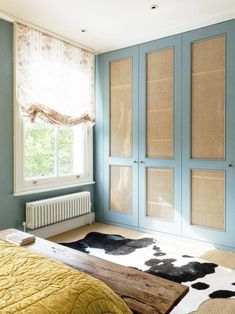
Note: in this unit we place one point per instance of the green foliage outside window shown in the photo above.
(41, 143)
(65, 141)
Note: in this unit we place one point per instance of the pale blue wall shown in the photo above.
(12, 208)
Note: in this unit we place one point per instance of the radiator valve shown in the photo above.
(24, 226)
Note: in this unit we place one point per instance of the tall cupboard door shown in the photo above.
(209, 134)
(160, 135)
(121, 136)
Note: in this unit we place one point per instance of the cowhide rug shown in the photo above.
(205, 280)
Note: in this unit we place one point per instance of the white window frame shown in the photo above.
(24, 187)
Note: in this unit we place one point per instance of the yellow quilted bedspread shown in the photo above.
(31, 283)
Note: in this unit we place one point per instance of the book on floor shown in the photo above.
(20, 238)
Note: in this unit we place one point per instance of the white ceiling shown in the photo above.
(113, 24)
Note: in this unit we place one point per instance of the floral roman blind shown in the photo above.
(54, 79)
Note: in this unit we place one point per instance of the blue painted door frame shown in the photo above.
(227, 236)
(109, 214)
(145, 162)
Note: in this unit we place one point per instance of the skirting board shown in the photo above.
(63, 226)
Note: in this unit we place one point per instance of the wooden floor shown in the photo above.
(170, 243)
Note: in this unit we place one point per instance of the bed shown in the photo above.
(32, 283)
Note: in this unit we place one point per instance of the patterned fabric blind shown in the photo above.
(54, 79)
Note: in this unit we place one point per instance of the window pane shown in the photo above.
(65, 150)
(71, 150)
(39, 150)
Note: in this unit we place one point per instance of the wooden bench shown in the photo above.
(142, 292)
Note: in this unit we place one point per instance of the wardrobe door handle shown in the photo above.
(142, 162)
(135, 161)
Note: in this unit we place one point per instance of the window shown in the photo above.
(54, 113)
(58, 149)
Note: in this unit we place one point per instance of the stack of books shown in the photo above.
(20, 238)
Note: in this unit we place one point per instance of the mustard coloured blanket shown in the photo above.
(31, 283)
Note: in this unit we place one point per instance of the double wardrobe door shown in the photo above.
(169, 135)
(142, 154)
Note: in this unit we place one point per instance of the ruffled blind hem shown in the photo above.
(48, 115)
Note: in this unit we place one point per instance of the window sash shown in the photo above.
(24, 187)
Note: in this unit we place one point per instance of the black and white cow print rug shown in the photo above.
(205, 280)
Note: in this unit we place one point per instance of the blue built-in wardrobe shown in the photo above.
(165, 135)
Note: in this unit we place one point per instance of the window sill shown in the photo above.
(52, 188)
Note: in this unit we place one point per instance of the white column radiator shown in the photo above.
(49, 211)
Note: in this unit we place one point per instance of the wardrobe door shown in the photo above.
(159, 135)
(121, 136)
(209, 133)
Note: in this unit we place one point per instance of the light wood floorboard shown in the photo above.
(169, 243)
